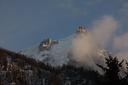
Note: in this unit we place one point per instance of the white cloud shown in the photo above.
(81, 46)
(121, 46)
(103, 29)
(121, 42)
(122, 56)
(84, 50)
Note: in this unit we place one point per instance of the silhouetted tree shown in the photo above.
(112, 70)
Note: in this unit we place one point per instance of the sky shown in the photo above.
(24, 23)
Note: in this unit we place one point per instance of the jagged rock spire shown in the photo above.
(46, 44)
(81, 30)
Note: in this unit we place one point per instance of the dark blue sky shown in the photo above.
(24, 23)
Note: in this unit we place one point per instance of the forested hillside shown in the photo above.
(17, 69)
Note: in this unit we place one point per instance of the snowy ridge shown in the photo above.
(61, 53)
(56, 56)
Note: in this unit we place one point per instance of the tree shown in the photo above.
(112, 70)
(125, 79)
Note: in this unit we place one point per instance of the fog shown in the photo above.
(102, 33)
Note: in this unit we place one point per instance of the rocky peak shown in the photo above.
(46, 44)
(81, 30)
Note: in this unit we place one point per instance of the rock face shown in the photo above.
(81, 30)
(46, 44)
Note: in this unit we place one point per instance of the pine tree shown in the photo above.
(112, 70)
(125, 79)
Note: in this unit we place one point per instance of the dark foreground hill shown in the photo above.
(18, 69)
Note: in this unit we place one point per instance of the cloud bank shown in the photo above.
(82, 46)
(103, 34)
(86, 47)
(121, 46)
(84, 50)
(103, 29)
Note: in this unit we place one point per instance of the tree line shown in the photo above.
(111, 71)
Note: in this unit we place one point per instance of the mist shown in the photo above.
(84, 51)
(120, 44)
(83, 45)
(102, 33)
(103, 29)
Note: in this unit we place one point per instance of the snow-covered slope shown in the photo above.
(57, 55)
(78, 47)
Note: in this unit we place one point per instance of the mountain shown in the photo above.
(18, 69)
(77, 49)
(75, 60)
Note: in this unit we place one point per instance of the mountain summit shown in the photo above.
(81, 30)
(79, 48)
